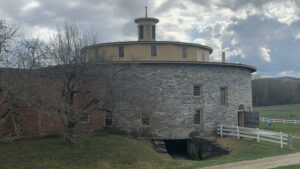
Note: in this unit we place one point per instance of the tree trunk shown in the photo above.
(68, 135)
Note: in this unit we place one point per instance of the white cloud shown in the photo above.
(284, 11)
(289, 73)
(265, 53)
(31, 5)
(297, 36)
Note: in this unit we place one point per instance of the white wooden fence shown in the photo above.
(280, 120)
(265, 135)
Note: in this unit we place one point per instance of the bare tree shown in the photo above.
(15, 96)
(72, 76)
(7, 34)
(70, 88)
(29, 53)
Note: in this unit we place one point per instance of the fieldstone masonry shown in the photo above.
(173, 116)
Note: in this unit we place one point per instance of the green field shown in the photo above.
(283, 111)
(279, 110)
(291, 129)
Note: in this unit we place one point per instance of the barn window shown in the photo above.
(184, 52)
(84, 117)
(108, 119)
(198, 116)
(153, 31)
(141, 31)
(153, 50)
(202, 53)
(96, 53)
(197, 90)
(224, 96)
(121, 51)
(145, 120)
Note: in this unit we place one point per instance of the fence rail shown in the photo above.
(280, 120)
(265, 135)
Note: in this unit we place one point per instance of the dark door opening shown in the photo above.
(241, 115)
(177, 149)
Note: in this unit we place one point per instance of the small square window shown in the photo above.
(197, 90)
(108, 119)
(121, 51)
(198, 116)
(153, 50)
(145, 120)
(184, 52)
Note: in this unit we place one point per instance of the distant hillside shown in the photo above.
(275, 91)
(286, 79)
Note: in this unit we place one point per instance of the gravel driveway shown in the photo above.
(262, 163)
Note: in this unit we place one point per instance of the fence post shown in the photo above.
(281, 140)
(290, 142)
(238, 132)
(221, 130)
(257, 137)
(295, 121)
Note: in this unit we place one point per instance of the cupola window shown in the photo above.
(153, 32)
(141, 31)
(148, 31)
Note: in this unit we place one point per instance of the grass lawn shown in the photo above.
(279, 110)
(113, 151)
(289, 167)
(293, 129)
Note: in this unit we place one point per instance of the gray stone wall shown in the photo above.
(173, 115)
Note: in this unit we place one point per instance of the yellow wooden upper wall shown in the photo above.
(142, 52)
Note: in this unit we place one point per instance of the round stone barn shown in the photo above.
(193, 94)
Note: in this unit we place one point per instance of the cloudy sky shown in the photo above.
(262, 33)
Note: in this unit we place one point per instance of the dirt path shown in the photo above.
(262, 163)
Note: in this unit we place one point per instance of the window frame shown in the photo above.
(141, 31)
(198, 122)
(184, 52)
(202, 54)
(121, 52)
(153, 49)
(87, 116)
(106, 119)
(153, 31)
(145, 120)
(148, 33)
(200, 90)
(224, 99)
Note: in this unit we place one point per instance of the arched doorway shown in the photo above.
(241, 115)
